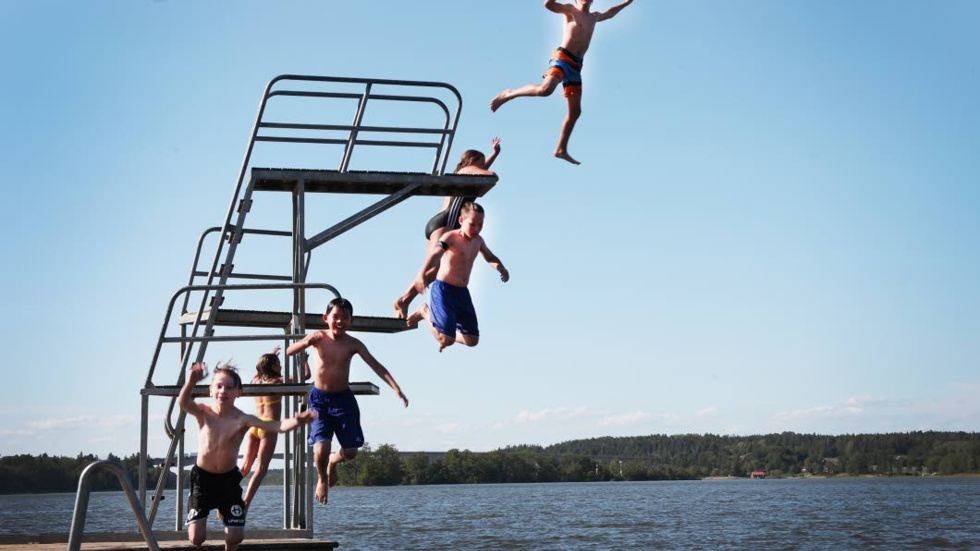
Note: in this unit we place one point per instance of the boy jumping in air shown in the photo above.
(566, 64)
(452, 316)
(331, 396)
(215, 478)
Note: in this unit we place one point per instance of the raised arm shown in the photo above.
(493, 156)
(494, 262)
(186, 397)
(382, 372)
(557, 7)
(608, 14)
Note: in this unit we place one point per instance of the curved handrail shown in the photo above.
(81, 505)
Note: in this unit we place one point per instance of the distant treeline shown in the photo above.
(39, 474)
(662, 457)
(657, 457)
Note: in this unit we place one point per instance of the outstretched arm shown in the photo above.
(494, 262)
(608, 14)
(380, 370)
(286, 425)
(493, 156)
(303, 344)
(186, 398)
(557, 7)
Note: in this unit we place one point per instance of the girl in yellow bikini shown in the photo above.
(259, 443)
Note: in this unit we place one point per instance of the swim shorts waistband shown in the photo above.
(575, 58)
(317, 392)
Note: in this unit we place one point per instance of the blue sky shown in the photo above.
(775, 225)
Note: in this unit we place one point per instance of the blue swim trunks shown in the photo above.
(337, 413)
(451, 310)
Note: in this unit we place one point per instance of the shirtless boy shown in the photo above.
(472, 162)
(566, 65)
(452, 317)
(215, 478)
(331, 396)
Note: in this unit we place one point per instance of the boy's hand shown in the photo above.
(419, 284)
(399, 394)
(199, 370)
(504, 274)
(275, 350)
(495, 142)
(306, 417)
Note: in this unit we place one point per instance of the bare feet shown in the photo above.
(562, 154)
(418, 315)
(499, 100)
(401, 307)
(332, 474)
(321, 491)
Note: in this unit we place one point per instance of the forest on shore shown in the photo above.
(655, 457)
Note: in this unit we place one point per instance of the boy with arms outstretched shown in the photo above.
(452, 317)
(331, 396)
(215, 478)
(565, 65)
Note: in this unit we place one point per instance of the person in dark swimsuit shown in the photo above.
(447, 219)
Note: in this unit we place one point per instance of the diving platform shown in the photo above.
(201, 391)
(337, 127)
(371, 183)
(281, 320)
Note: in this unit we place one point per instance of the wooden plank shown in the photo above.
(371, 183)
(134, 542)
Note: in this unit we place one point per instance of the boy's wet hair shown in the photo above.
(344, 305)
(266, 366)
(471, 157)
(471, 206)
(229, 369)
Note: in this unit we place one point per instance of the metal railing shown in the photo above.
(81, 505)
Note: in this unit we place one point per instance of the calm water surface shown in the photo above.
(837, 514)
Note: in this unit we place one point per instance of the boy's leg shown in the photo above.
(321, 454)
(468, 340)
(233, 536)
(546, 87)
(423, 313)
(574, 112)
(197, 531)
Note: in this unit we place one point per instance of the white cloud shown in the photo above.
(449, 428)
(624, 419)
(561, 413)
(704, 412)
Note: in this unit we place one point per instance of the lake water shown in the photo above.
(805, 515)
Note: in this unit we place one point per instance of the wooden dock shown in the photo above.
(58, 542)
